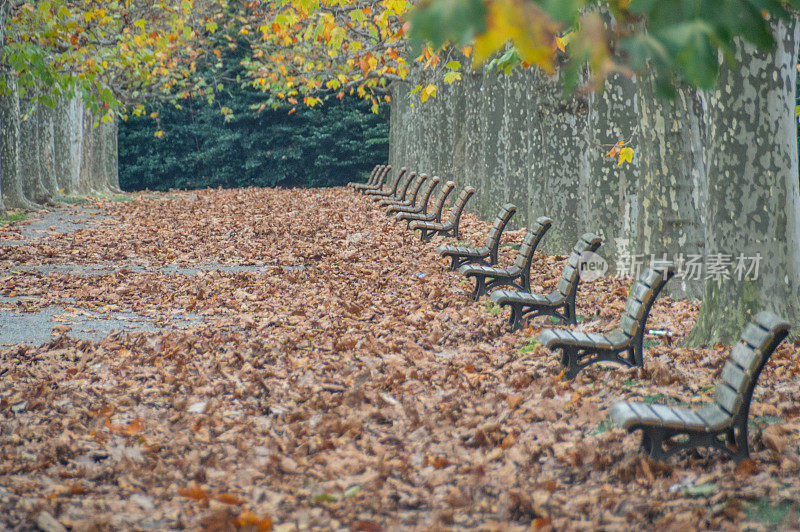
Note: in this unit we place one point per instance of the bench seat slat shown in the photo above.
(714, 417)
(669, 418)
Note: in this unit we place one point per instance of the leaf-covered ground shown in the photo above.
(348, 382)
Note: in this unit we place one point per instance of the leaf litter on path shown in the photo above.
(362, 390)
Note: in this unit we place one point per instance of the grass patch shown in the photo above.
(13, 218)
(764, 511)
(604, 426)
(70, 200)
(580, 317)
(647, 344)
(493, 309)
(527, 348)
(630, 383)
(762, 421)
(655, 398)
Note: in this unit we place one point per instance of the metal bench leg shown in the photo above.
(515, 320)
(480, 287)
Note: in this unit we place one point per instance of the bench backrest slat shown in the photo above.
(570, 275)
(411, 177)
(373, 176)
(441, 198)
(458, 208)
(421, 181)
(531, 242)
(426, 195)
(498, 226)
(747, 358)
(397, 180)
(641, 297)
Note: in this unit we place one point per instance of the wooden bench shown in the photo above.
(579, 349)
(388, 192)
(422, 206)
(407, 192)
(377, 183)
(722, 423)
(560, 302)
(373, 177)
(517, 275)
(486, 254)
(449, 228)
(434, 215)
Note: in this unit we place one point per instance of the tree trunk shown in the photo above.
(68, 129)
(671, 138)
(13, 195)
(89, 148)
(46, 139)
(110, 157)
(753, 197)
(30, 155)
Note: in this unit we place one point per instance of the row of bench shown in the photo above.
(721, 424)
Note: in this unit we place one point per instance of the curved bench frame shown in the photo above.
(721, 424)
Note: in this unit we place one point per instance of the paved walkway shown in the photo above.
(36, 327)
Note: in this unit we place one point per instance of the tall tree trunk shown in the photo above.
(89, 148)
(30, 155)
(68, 129)
(109, 157)
(753, 198)
(672, 181)
(10, 142)
(46, 139)
(612, 190)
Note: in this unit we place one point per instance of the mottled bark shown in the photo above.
(46, 140)
(112, 156)
(68, 130)
(31, 156)
(753, 198)
(672, 182)
(713, 172)
(90, 161)
(611, 191)
(10, 117)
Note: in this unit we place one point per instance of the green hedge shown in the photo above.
(326, 145)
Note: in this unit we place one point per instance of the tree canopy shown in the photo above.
(304, 51)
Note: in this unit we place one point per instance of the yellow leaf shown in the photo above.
(427, 92)
(625, 154)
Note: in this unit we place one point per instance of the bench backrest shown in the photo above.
(571, 274)
(498, 226)
(404, 192)
(415, 192)
(397, 180)
(531, 242)
(382, 176)
(426, 193)
(373, 176)
(641, 297)
(458, 208)
(440, 199)
(739, 375)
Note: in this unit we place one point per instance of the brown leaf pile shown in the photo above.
(349, 383)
